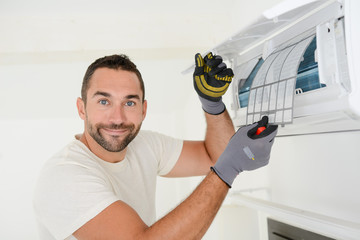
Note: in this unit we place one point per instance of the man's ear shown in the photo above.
(144, 109)
(81, 108)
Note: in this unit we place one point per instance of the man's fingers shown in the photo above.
(199, 64)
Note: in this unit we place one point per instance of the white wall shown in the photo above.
(318, 173)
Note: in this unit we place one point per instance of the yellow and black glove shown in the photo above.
(211, 80)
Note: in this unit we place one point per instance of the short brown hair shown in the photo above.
(117, 62)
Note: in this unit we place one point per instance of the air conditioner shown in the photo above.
(298, 64)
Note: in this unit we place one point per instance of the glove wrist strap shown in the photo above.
(211, 107)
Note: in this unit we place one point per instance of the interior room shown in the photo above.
(311, 183)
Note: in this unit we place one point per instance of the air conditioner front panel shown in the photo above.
(324, 89)
(298, 64)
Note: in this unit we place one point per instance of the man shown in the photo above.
(102, 185)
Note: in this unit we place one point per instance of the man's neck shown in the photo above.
(94, 147)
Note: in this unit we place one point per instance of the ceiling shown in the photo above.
(41, 38)
(43, 26)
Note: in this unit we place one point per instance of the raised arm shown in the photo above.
(219, 130)
(211, 80)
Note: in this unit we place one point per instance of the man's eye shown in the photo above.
(103, 102)
(130, 104)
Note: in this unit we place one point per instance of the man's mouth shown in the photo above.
(115, 132)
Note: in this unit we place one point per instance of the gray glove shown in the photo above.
(246, 151)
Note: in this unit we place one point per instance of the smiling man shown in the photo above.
(113, 112)
(102, 184)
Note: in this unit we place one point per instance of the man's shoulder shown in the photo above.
(74, 154)
(71, 165)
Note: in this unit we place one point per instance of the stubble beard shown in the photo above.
(115, 144)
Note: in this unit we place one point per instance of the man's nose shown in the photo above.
(117, 115)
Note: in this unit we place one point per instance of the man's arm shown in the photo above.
(189, 220)
(192, 217)
(211, 80)
(219, 130)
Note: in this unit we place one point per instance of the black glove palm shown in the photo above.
(211, 77)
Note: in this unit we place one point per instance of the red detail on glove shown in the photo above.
(259, 130)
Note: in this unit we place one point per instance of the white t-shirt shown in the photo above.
(75, 185)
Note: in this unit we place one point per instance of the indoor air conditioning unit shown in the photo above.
(298, 64)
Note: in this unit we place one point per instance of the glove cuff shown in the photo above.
(221, 177)
(211, 107)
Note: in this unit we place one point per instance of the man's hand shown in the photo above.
(211, 80)
(246, 151)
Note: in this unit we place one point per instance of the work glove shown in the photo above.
(211, 80)
(246, 151)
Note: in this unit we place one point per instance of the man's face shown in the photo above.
(114, 110)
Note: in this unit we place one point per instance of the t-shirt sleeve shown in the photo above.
(68, 195)
(168, 150)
